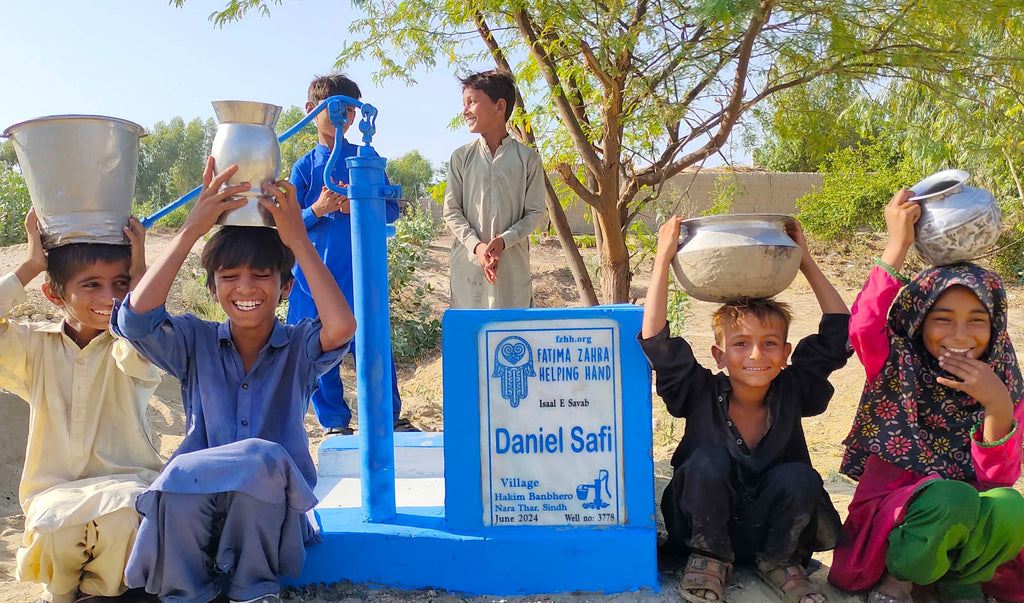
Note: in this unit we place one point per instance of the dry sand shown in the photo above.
(421, 394)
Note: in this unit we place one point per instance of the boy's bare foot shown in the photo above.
(704, 579)
(791, 582)
(891, 590)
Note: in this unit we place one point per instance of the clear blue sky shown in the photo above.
(146, 61)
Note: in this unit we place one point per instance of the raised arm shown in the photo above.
(656, 302)
(828, 298)
(151, 291)
(338, 324)
(35, 259)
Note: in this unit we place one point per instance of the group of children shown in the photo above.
(227, 513)
(935, 445)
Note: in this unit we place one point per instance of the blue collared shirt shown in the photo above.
(222, 403)
(331, 234)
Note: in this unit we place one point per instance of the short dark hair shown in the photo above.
(325, 86)
(764, 309)
(257, 247)
(496, 85)
(64, 262)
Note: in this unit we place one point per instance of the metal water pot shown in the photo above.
(958, 222)
(80, 171)
(723, 258)
(246, 138)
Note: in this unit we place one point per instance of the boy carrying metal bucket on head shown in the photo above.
(743, 488)
(89, 453)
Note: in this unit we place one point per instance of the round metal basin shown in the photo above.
(723, 258)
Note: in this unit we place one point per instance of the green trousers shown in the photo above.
(956, 536)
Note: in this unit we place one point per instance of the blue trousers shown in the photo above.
(329, 401)
(197, 545)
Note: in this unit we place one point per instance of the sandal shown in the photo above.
(704, 579)
(790, 582)
(891, 590)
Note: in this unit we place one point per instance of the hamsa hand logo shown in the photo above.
(513, 363)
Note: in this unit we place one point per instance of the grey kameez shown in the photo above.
(488, 197)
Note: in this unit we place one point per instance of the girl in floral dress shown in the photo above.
(936, 443)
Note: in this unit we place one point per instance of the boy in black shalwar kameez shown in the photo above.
(743, 487)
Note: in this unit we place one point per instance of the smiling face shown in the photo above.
(957, 323)
(752, 352)
(249, 296)
(482, 115)
(88, 298)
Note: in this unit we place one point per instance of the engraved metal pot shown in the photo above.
(245, 137)
(723, 258)
(80, 172)
(958, 222)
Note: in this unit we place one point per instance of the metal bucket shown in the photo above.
(723, 258)
(958, 222)
(246, 138)
(80, 172)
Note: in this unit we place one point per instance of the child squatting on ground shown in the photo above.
(936, 442)
(493, 201)
(327, 217)
(743, 488)
(227, 513)
(89, 454)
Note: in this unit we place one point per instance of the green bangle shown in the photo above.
(980, 425)
(892, 271)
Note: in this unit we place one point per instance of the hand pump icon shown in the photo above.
(581, 491)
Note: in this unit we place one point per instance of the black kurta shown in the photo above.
(701, 397)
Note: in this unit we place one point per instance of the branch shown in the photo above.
(576, 186)
(562, 104)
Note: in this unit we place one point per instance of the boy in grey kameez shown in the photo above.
(493, 201)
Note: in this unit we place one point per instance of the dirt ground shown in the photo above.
(847, 266)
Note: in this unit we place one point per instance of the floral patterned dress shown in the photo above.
(909, 429)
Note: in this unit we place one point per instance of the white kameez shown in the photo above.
(488, 197)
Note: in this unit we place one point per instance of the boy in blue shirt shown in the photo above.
(327, 218)
(227, 513)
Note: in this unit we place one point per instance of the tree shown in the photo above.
(413, 173)
(171, 160)
(624, 95)
(801, 126)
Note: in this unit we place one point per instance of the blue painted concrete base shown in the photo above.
(416, 551)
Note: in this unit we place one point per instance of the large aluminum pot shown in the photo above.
(80, 172)
(958, 222)
(724, 258)
(246, 138)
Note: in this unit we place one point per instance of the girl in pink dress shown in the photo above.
(935, 444)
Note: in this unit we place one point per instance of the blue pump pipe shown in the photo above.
(367, 192)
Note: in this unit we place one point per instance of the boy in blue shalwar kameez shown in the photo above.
(227, 514)
(329, 222)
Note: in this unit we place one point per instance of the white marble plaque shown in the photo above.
(551, 423)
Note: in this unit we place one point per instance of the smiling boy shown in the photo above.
(493, 201)
(743, 488)
(89, 453)
(227, 514)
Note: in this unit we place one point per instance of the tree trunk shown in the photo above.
(614, 258)
(572, 253)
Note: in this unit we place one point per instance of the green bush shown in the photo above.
(858, 183)
(414, 331)
(14, 204)
(1008, 260)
